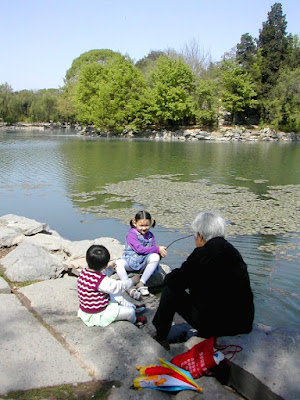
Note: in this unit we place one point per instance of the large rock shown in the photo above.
(157, 279)
(49, 242)
(29, 262)
(23, 225)
(9, 237)
(268, 367)
(78, 249)
(4, 286)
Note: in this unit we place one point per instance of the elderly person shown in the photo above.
(211, 290)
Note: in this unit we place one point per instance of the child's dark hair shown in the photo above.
(97, 257)
(142, 215)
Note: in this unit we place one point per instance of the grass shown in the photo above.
(96, 390)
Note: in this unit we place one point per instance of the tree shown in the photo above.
(44, 106)
(6, 93)
(207, 101)
(194, 56)
(146, 64)
(283, 108)
(237, 93)
(23, 101)
(246, 51)
(294, 51)
(66, 101)
(273, 43)
(108, 94)
(89, 57)
(171, 87)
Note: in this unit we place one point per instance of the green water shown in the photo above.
(67, 181)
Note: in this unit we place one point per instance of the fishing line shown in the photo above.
(176, 240)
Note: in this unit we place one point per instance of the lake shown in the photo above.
(86, 188)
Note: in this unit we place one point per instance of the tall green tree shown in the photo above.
(66, 101)
(109, 94)
(283, 108)
(237, 93)
(99, 56)
(273, 44)
(246, 52)
(171, 88)
(207, 102)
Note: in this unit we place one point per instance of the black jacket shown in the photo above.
(217, 279)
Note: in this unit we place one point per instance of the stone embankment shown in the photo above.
(223, 134)
(56, 348)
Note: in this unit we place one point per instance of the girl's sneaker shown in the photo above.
(140, 321)
(140, 308)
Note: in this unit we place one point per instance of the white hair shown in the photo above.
(209, 224)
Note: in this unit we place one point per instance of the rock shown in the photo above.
(29, 262)
(268, 367)
(4, 286)
(212, 390)
(157, 279)
(47, 241)
(9, 237)
(114, 247)
(23, 225)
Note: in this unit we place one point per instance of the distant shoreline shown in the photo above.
(224, 134)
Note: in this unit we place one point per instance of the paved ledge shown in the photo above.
(267, 368)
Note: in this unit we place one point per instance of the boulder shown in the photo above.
(4, 286)
(29, 262)
(157, 279)
(268, 367)
(23, 225)
(9, 237)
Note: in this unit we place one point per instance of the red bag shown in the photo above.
(198, 360)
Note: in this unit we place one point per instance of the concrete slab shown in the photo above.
(112, 353)
(268, 366)
(30, 356)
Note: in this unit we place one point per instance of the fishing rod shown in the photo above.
(176, 240)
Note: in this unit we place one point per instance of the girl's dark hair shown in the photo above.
(97, 257)
(142, 215)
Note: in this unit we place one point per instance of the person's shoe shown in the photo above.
(164, 343)
(134, 294)
(140, 321)
(140, 308)
(143, 290)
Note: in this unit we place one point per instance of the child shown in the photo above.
(100, 302)
(141, 253)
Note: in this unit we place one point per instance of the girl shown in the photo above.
(141, 253)
(100, 302)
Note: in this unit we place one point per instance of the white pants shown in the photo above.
(126, 309)
(152, 262)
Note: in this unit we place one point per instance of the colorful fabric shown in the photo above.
(91, 301)
(166, 377)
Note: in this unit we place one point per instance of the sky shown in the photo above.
(41, 38)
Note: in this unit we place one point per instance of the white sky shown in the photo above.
(41, 38)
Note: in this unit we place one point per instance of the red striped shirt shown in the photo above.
(91, 300)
